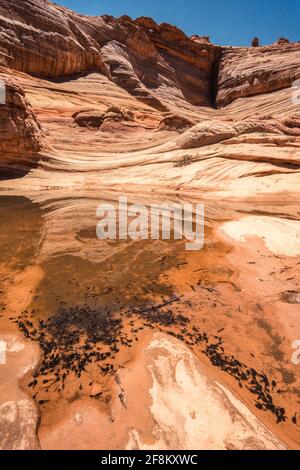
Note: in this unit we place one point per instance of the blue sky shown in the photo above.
(233, 22)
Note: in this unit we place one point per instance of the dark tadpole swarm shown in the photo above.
(74, 337)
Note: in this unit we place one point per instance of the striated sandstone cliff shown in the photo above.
(148, 60)
(212, 132)
(252, 71)
(158, 64)
(39, 38)
(233, 106)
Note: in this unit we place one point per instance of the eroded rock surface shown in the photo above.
(95, 119)
(18, 424)
(191, 411)
(213, 132)
(152, 62)
(281, 236)
(157, 63)
(18, 413)
(41, 38)
(76, 67)
(132, 105)
(175, 122)
(21, 134)
(252, 71)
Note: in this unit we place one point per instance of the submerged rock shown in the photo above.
(290, 297)
(189, 409)
(18, 421)
(18, 413)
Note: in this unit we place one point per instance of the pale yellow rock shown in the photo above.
(192, 411)
(281, 236)
(18, 413)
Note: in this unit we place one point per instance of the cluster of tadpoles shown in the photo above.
(256, 382)
(75, 337)
(70, 341)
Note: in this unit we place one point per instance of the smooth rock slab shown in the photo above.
(18, 413)
(17, 425)
(193, 411)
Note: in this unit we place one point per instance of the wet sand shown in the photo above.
(92, 309)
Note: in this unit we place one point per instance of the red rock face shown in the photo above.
(151, 62)
(39, 38)
(21, 135)
(158, 64)
(253, 71)
(169, 81)
(183, 63)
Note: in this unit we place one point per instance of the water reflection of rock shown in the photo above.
(21, 228)
(64, 268)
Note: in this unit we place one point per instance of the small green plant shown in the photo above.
(183, 161)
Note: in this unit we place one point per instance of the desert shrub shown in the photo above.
(184, 160)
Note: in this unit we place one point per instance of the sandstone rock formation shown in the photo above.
(200, 39)
(188, 404)
(156, 63)
(96, 119)
(150, 61)
(40, 38)
(212, 132)
(175, 122)
(21, 134)
(171, 403)
(18, 413)
(206, 133)
(91, 119)
(247, 72)
(282, 41)
(233, 106)
(255, 42)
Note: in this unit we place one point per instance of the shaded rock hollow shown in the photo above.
(21, 135)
